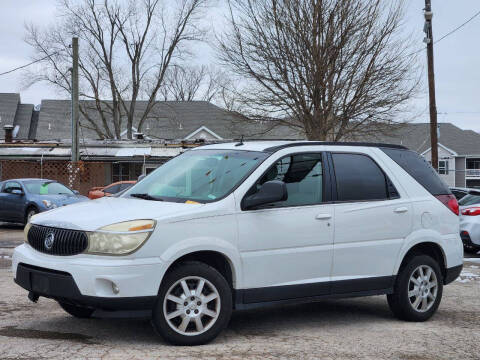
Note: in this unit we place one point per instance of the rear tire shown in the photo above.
(193, 306)
(418, 289)
(77, 311)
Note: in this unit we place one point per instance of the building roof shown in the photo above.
(416, 136)
(167, 120)
(8, 109)
(23, 119)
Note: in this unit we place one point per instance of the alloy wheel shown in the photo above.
(191, 305)
(422, 288)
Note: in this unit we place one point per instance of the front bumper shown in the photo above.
(60, 286)
(88, 279)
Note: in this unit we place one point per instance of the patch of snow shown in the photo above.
(467, 276)
(473, 260)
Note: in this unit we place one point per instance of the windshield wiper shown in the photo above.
(146, 196)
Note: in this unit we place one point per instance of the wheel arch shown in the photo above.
(28, 206)
(428, 247)
(224, 259)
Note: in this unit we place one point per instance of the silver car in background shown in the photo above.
(470, 221)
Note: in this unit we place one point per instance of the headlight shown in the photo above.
(120, 239)
(48, 204)
(26, 229)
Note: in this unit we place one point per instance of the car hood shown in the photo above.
(92, 215)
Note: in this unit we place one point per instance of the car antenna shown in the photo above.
(240, 143)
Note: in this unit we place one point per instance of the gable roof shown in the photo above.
(167, 120)
(200, 130)
(416, 136)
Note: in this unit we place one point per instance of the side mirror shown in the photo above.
(270, 192)
(17, 192)
(76, 192)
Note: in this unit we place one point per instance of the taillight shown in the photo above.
(449, 201)
(472, 211)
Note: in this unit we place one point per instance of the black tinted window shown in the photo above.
(470, 199)
(458, 194)
(359, 178)
(125, 186)
(419, 169)
(112, 189)
(303, 176)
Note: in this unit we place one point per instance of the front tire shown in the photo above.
(76, 311)
(193, 306)
(30, 212)
(418, 289)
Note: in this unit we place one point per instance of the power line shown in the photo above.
(33, 62)
(448, 34)
(458, 27)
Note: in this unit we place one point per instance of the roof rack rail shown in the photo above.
(338, 143)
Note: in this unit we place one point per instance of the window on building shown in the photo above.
(359, 178)
(120, 172)
(443, 167)
(126, 171)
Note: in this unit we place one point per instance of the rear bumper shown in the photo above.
(61, 286)
(452, 273)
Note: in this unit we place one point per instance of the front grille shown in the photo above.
(65, 242)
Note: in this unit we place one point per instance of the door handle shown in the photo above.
(400, 210)
(323, 216)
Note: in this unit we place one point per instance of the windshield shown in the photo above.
(198, 175)
(470, 199)
(47, 188)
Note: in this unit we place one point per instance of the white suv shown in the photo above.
(236, 226)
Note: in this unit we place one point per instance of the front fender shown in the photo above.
(191, 245)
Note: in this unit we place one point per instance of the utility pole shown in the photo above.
(75, 113)
(431, 84)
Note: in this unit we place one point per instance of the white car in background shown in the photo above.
(470, 221)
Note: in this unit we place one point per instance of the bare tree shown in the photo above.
(189, 83)
(126, 48)
(331, 69)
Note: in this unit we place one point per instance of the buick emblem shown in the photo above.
(49, 240)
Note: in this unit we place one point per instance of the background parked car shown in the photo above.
(460, 192)
(470, 221)
(20, 199)
(112, 189)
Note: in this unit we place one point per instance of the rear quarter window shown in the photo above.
(419, 168)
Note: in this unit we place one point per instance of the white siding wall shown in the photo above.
(445, 155)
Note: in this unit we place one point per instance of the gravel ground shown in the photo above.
(361, 328)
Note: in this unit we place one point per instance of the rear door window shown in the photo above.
(359, 178)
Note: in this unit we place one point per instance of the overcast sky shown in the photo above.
(457, 57)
